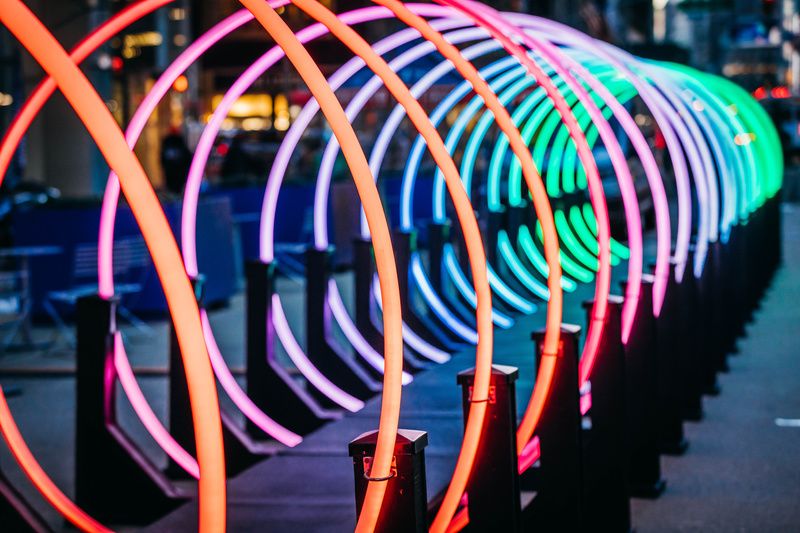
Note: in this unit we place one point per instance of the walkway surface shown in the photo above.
(742, 470)
(741, 473)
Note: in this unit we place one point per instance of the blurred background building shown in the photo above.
(754, 42)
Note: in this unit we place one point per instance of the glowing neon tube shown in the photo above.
(11, 140)
(469, 225)
(545, 375)
(351, 333)
(438, 306)
(106, 243)
(721, 118)
(696, 149)
(329, 156)
(478, 133)
(192, 191)
(653, 100)
(493, 189)
(501, 30)
(149, 419)
(155, 229)
(472, 433)
(203, 150)
(462, 286)
(381, 144)
(552, 55)
(381, 240)
(320, 218)
(408, 334)
(305, 366)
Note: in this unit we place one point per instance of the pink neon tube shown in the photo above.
(105, 245)
(665, 117)
(199, 160)
(195, 177)
(137, 124)
(597, 196)
(127, 380)
(90, 109)
(278, 170)
(653, 174)
(10, 142)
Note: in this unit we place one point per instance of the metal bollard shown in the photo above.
(557, 481)
(269, 386)
(606, 505)
(641, 384)
(493, 489)
(330, 358)
(405, 505)
(114, 480)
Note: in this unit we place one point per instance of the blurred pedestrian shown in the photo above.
(175, 160)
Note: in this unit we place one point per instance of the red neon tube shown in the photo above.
(381, 240)
(542, 205)
(466, 217)
(478, 13)
(30, 109)
(155, 229)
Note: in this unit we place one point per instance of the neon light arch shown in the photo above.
(384, 256)
(203, 399)
(467, 220)
(664, 116)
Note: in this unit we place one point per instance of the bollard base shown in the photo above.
(674, 448)
(405, 504)
(111, 471)
(493, 488)
(648, 492)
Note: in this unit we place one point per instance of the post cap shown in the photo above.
(409, 442)
(509, 373)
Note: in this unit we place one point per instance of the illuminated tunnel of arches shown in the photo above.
(545, 105)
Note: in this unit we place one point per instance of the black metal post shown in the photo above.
(719, 322)
(240, 453)
(330, 358)
(557, 481)
(405, 504)
(496, 221)
(493, 488)
(690, 369)
(706, 352)
(606, 505)
(438, 236)
(364, 271)
(641, 384)
(269, 386)
(670, 379)
(405, 245)
(114, 481)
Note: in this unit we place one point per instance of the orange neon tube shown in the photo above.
(381, 242)
(472, 237)
(157, 235)
(476, 12)
(34, 103)
(541, 204)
